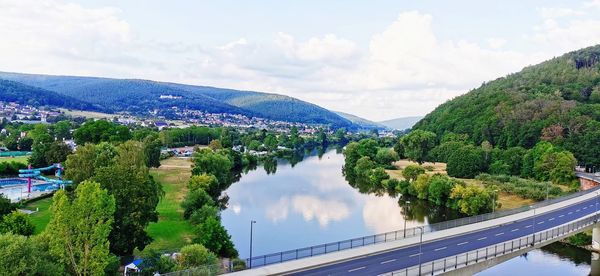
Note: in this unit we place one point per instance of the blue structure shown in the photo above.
(37, 174)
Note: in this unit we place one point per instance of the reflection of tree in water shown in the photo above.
(572, 253)
(270, 165)
(320, 152)
(419, 209)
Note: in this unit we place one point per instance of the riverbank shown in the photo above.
(506, 201)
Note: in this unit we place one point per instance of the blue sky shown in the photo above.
(376, 59)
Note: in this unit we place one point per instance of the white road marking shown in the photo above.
(414, 255)
(561, 216)
(388, 261)
(528, 226)
(462, 243)
(362, 267)
(499, 234)
(584, 207)
(480, 239)
(570, 213)
(540, 222)
(551, 219)
(577, 210)
(438, 249)
(514, 230)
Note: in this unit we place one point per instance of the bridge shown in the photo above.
(459, 247)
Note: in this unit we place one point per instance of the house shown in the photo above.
(161, 125)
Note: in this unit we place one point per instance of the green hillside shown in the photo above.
(140, 96)
(11, 91)
(557, 101)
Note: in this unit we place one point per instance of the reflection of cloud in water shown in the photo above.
(323, 210)
(278, 211)
(382, 214)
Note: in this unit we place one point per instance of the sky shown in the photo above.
(377, 59)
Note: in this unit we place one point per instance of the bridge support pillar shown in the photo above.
(595, 264)
(596, 236)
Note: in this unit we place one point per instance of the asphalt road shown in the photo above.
(434, 250)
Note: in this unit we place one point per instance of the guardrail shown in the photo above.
(462, 260)
(321, 249)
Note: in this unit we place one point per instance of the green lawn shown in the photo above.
(40, 218)
(171, 232)
(21, 159)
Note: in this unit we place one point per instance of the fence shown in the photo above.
(462, 260)
(316, 250)
(209, 270)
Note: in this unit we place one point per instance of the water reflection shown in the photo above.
(554, 259)
(310, 203)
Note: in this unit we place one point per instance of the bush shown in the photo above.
(17, 223)
(411, 172)
(524, 188)
(195, 255)
(466, 162)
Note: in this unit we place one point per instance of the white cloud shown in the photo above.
(404, 69)
(592, 4)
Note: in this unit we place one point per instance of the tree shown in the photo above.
(421, 186)
(62, 130)
(6, 207)
(377, 176)
(386, 156)
(210, 162)
(26, 256)
(500, 168)
(57, 152)
(79, 229)
(25, 143)
(558, 167)
(152, 147)
(206, 182)
(200, 215)
(215, 145)
(466, 162)
(136, 194)
(195, 255)
(17, 223)
(195, 200)
(417, 144)
(439, 188)
(271, 142)
(213, 236)
(81, 165)
(471, 200)
(362, 170)
(411, 172)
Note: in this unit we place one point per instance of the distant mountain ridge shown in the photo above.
(361, 122)
(401, 123)
(140, 96)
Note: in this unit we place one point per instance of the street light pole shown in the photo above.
(252, 222)
(420, 246)
(533, 224)
(404, 232)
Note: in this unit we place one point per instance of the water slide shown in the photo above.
(37, 174)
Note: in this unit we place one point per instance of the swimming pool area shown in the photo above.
(15, 189)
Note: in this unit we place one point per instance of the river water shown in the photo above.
(311, 203)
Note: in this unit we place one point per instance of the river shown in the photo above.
(311, 203)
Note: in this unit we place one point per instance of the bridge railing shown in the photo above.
(321, 249)
(469, 258)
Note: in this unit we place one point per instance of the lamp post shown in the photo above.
(252, 222)
(404, 232)
(420, 245)
(533, 207)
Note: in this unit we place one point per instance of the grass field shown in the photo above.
(87, 114)
(507, 201)
(21, 159)
(171, 232)
(40, 218)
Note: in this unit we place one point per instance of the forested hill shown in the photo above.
(557, 101)
(141, 96)
(11, 91)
